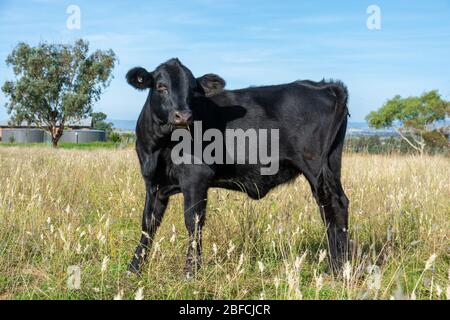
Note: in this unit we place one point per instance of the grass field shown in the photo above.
(62, 208)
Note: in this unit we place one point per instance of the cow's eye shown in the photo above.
(161, 88)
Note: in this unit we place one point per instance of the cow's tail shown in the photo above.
(338, 126)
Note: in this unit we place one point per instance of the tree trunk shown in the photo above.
(417, 145)
(56, 134)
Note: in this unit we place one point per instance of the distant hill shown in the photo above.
(354, 128)
(361, 128)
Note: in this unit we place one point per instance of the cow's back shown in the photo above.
(302, 113)
(276, 106)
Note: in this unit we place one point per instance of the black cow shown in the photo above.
(311, 118)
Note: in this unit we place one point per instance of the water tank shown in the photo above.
(22, 136)
(80, 136)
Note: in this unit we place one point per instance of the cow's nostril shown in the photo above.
(178, 116)
(182, 118)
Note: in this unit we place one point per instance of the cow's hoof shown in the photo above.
(190, 271)
(133, 270)
(129, 274)
(189, 276)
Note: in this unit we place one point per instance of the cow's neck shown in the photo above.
(152, 134)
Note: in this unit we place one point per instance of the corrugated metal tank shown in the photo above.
(38, 135)
(80, 136)
(22, 136)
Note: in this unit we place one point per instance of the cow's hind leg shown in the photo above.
(324, 177)
(333, 204)
(155, 205)
(195, 198)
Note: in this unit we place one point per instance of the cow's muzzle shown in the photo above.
(181, 119)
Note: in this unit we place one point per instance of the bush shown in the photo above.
(114, 137)
(128, 137)
(389, 145)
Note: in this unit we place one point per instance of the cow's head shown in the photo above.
(172, 88)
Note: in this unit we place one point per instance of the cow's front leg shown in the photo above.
(155, 205)
(195, 198)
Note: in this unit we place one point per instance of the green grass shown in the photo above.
(60, 208)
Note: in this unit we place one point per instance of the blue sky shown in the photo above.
(251, 43)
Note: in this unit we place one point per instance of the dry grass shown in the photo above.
(73, 207)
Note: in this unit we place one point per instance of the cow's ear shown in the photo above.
(211, 84)
(140, 78)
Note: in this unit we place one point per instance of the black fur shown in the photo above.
(311, 118)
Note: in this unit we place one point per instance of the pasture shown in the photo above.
(62, 208)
